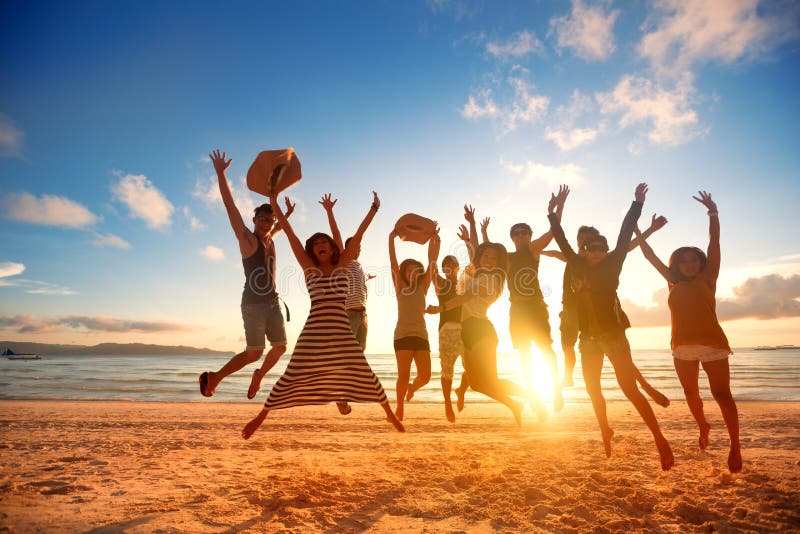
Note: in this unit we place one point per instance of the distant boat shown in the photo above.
(11, 355)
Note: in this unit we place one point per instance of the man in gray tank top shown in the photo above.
(261, 311)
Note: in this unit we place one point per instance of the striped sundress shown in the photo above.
(327, 363)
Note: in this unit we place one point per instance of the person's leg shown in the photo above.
(404, 359)
(619, 353)
(253, 425)
(719, 378)
(592, 365)
(274, 354)
(569, 365)
(422, 360)
(688, 374)
(569, 336)
(482, 374)
(448, 341)
(540, 329)
(247, 357)
(461, 390)
(392, 418)
(658, 397)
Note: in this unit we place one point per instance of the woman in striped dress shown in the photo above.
(328, 364)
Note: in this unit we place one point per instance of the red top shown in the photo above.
(692, 306)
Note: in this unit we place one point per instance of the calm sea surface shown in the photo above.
(755, 375)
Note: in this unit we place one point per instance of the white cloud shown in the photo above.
(10, 138)
(212, 253)
(144, 200)
(52, 290)
(194, 223)
(588, 31)
(521, 44)
(49, 210)
(686, 32)
(666, 113)
(571, 138)
(10, 268)
(207, 190)
(110, 240)
(531, 171)
(480, 105)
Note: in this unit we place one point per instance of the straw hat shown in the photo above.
(416, 228)
(260, 174)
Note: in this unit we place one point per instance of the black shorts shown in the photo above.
(474, 330)
(529, 321)
(569, 325)
(412, 343)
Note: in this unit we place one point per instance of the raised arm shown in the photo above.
(539, 244)
(297, 247)
(328, 205)
(434, 244)
(714, 254)
(629, 222)
(463, 235)
(289, 210)
(485, 229)
(658, 222)
(650, 255)
(349, 253)
(555, 227)
(557, 254)
(393, 260)
(469, 215)
(221, 164)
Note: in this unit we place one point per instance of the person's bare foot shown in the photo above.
(399, 411)
(395, 422)
(702, 441)
(448, 412)
(460, 398)
(735, 459)
(516, 409)
(409, 392)
(665, 452)
(658, 397)
(250, 428)
(207, 383)
(344, 408)
(558, 400)
(255, 382)
(607, 434)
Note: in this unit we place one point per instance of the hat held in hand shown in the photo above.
(264, 171)
(416, 228)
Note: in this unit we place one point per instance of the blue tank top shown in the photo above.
(259, 276)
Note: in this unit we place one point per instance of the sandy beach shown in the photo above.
(182, 467)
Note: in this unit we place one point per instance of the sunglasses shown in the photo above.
(265, 219)
(596, 248)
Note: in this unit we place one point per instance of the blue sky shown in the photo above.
(107, 111)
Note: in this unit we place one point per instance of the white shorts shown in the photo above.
(699, 353)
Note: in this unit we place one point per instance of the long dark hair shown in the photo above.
(334, 247)
(502, 259)
(674, 270)
(404, 266)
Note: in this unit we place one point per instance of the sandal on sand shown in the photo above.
(344, 408)
(204, 385)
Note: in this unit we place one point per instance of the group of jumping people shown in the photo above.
(328, 363)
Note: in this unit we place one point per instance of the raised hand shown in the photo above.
(327, 203)
(218, 160)
(658, 222)
(463, 233)
(371, 276)
(705, 200)
(289, 205)
(563, 193)
(469, 213)
(641, 192)
(552, 204)
(375, 200)
(485, 224)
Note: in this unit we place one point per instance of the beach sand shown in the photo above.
(182, 467)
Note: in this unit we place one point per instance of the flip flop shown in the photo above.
(344, 408)
(204, 385)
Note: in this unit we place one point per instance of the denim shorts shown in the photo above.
(263, 319)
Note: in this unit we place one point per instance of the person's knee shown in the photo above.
(253, 355)
(277, 350)
(722, 395)
(691, 392)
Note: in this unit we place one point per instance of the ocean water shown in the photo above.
(755, 375)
